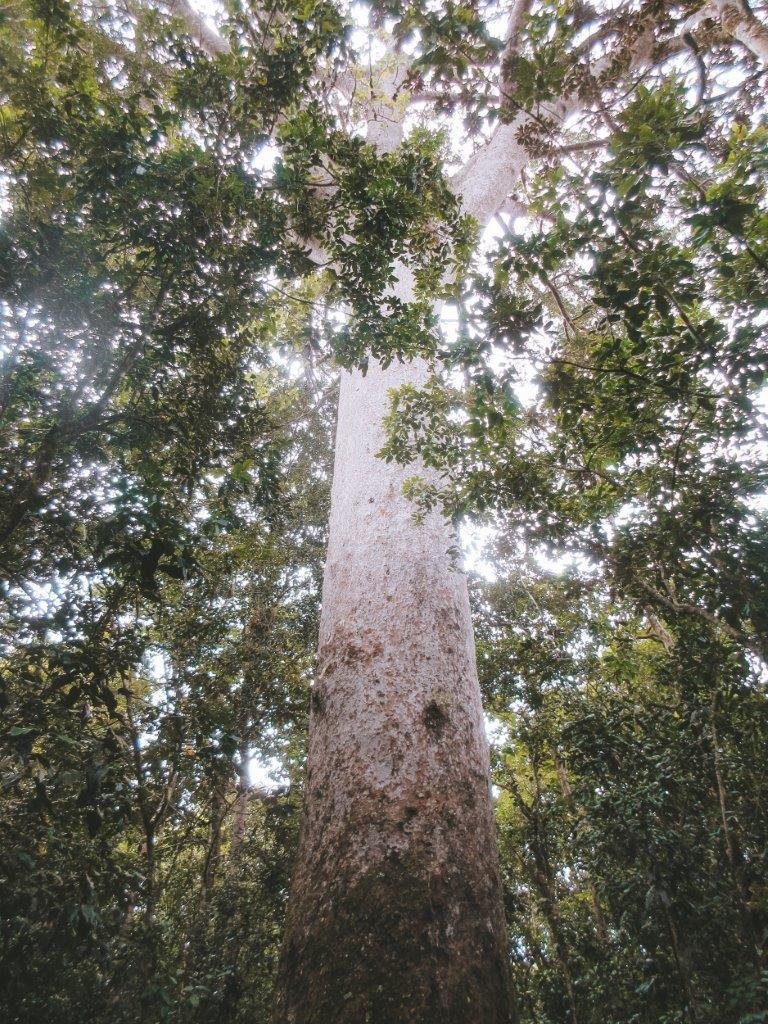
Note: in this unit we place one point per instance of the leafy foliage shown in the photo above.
(167, 381)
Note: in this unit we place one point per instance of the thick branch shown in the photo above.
(751, 643)
(199, 29)
(512, 39)
(739, 22)
(493, 171)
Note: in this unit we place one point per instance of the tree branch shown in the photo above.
(752, 644)
(204, 34)
(492, 172)
(738, 21)
(517, 18)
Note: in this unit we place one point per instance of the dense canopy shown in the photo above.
(203, 216)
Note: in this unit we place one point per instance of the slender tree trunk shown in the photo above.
(213, 853)
(733, 849)
(601, 928)
(682, 962)
(242, 794)
(395, 911)
(542, 877)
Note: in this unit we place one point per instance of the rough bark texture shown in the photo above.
(395, 913)
(739, 21)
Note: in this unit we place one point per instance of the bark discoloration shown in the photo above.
(436, 715)
(317, 701)
(395, 910)
(400, 919)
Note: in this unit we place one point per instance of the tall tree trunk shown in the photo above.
(544, 882)
(601, 928)
(395, 912)
(213, 853)
(733, 849)
(682, 961)
(242, 794)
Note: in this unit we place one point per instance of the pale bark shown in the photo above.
(395, 911)
(739, 22)
(199, 28)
